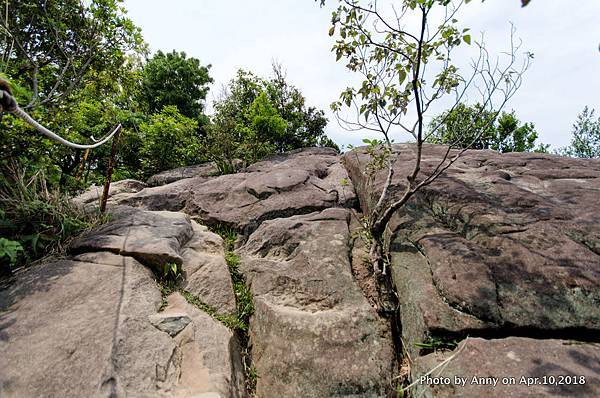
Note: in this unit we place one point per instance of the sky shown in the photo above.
(564, 35)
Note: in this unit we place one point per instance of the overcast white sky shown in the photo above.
(564, 35)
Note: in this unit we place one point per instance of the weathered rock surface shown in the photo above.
(118, 191)
(540, 368)
(281, 186)
(500, 245)
(166, 177)
(206, 274)
(211, 364)
(156, 238)
(90, 326)
(313, 333)
(500, 242)
(77, 328)
(153, 238)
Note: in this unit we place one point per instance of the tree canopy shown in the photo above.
(585, 142)
(174, 79)
(256, 117)
(477, 128)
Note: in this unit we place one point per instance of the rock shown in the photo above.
(170, 197)
(476, 251)
(211, 362)
(166, 177)
(313, 333)
(281, 186)
(170, 323)
(206, 274)
(153, 238)
(118, 190)
(84, 327)
(157, 238)
(300, 182)
(521, 367)
(74, 328)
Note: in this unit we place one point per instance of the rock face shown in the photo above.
(81, 327)
(169, 176)
(313, 333)
(520, 367)
(91, 325)
(500, 244)
(281, 186)
(502, 248)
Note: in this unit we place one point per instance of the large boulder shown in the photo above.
(313, 333)
(510, 367)
(119, 190)
(166, 177)
(498, 242)
(85, 327)
(159, 238)
(280, 186)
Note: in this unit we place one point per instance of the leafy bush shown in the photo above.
(477, 128)
(170, 140)
(34, 221)
(586, 137)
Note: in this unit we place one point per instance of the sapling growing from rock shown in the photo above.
(402, 51)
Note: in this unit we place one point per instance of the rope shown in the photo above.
(23, 115)
(14, 108)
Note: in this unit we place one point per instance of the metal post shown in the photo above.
(109, 171)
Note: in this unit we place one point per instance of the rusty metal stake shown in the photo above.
(109, 171)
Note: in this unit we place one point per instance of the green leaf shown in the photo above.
(332, 30)
(467, 39)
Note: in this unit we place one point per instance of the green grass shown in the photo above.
(437, 343)
(231, 321)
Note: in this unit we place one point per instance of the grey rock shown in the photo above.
(170, 323)
(313, 333)
(166, 177)
(73, 328)
(118, 190)
(211, 362)
(153, 238)
(206, 274)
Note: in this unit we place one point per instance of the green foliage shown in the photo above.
(38, 220)
(9, 250)
(586, 137)
(243, 295)
(477, 128)
(257, 117)
(172, 79)
(76, 78)
(437, 343)
(169, 140)
(232, 322)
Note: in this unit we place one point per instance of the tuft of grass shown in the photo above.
(437, 344)
(37, 219)
(231, 321)
(228, 233)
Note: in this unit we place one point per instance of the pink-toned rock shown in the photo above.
(500, 242)
(511, 367)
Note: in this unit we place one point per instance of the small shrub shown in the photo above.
(36, 220)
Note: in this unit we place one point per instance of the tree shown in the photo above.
(256, 117)
(49, 47)
(402, 50)
(506, 134)
(586, 137)
(71, 64)
(170, 140)
(173, 79)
